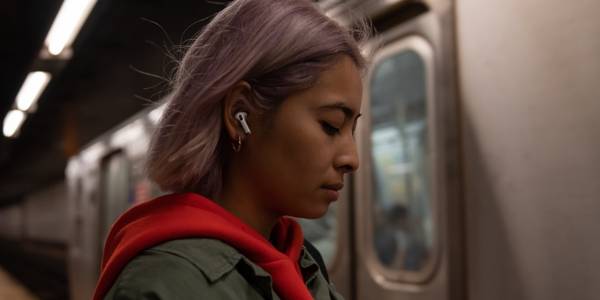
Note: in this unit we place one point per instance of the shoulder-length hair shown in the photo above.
(279, 47)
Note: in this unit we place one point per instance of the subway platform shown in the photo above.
(32, 270)
(12, 289)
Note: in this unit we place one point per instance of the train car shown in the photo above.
(103, 181)
(478, 148)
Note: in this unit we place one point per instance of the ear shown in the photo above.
(237, 99)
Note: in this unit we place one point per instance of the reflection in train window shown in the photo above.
(322, 233)
(402, 218)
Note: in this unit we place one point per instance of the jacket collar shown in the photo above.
(216, 259)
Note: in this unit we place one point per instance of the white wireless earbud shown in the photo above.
(241, 117)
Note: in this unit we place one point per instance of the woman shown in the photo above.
(260, 126)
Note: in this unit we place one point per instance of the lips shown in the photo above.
(335, 186)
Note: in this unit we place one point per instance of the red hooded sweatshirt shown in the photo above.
(178, 216)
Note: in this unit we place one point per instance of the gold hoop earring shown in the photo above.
(237, 147)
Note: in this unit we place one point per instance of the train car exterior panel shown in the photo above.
(529, 76)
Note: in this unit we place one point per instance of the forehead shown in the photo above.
(339, 84)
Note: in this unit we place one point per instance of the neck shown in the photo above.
(239, 198)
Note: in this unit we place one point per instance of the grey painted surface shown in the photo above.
(530, 83)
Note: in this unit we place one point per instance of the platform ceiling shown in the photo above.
(99, 87)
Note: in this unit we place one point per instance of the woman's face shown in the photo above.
(296, 162)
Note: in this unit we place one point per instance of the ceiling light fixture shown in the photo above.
(12, 122)
(32, 88)
(68, 22)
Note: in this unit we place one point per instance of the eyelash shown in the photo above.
(330, 130)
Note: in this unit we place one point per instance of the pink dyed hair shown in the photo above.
(278, 46)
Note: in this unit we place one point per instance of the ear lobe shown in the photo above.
(236, 100)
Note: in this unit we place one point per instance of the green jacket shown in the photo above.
(206, 269)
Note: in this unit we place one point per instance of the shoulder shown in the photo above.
(315, 274)
(181, 269)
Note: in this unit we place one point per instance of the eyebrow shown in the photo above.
(348, 112)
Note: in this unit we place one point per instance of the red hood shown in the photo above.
(188, 215)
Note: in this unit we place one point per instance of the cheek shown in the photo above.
(305, 150)
(294, 158)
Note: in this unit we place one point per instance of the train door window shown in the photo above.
(402, 231)
(116, 189)
(76, 199)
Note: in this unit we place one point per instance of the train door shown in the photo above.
(115, 191)
(407, 232)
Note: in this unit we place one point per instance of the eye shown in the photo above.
(330, 130)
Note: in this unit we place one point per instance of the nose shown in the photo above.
(346, 160)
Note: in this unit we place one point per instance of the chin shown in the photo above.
(314, 212)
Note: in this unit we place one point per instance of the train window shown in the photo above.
(116, 190)
(322, 233)
(402, 229)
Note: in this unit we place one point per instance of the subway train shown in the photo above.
(479, 149)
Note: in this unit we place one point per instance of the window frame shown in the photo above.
(380, 272)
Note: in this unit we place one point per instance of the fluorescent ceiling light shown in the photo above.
(12, 122)
(32, 89)
(68, 22)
